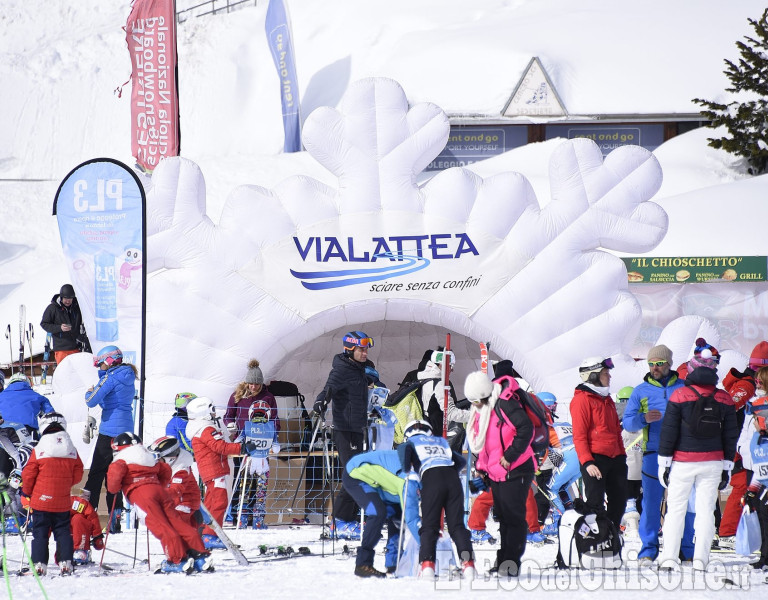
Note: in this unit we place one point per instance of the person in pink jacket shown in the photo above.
(500, 433)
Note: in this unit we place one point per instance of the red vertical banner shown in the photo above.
(151, 36)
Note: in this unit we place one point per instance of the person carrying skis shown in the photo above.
(347, 391)
(375, 480)
(114, 393)
(63, 320)
(438, 468)
(695, 455)
(210, 441)
(53, 468)
(143, 479)
(644, 412)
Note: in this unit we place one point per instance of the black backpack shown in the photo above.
(592, 535)
(706, 419)
(537, 413)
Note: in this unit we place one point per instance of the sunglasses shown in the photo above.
(656, 363)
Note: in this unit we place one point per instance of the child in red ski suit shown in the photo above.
(53, 468)
(137, 473)
(84, 522)
(212, 448)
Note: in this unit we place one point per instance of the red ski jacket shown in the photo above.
(52, 470)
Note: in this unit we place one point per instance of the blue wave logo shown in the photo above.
(335, 279)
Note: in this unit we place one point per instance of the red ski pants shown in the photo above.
(163, 520)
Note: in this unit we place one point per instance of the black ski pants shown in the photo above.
(102, 458)
(509, 499)
(348, 444)
(43, 523)
(611, 487)
(441, 489)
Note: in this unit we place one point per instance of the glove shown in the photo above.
(726, 475)
(275, 448)
(463, 404)
(665, 464)
(98, 541)
(477, 485)
(14, 479)
(750, 499)
(249, 447)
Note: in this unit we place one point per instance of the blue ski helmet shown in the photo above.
(108, 354)
(357, 339)
(548, 398)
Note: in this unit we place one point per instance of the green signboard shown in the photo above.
(696, 269)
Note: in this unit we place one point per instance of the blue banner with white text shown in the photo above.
(278, 28)
(101, 213)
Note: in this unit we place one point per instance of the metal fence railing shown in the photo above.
(212, 7)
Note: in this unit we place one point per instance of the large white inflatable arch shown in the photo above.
(287, 271)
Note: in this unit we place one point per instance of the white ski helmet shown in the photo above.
(18, 376)
(593, 364)
(418, 427)
(51, 422)
(201, 408)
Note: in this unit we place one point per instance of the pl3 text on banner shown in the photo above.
(151, 36)
(278, 28)
(101, 211)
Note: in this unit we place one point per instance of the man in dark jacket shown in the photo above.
(63, 320)
(695, 456)
(347, 391)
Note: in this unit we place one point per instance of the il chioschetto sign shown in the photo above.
(696, 269)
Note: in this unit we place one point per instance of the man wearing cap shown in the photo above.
(741, 386)
(63, 320)
(597, 439)
(695, 455)
(644, 412)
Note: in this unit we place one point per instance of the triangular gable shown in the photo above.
(534, 95)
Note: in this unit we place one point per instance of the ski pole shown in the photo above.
(10, 344)
(135, 540)
(309, 453)
(22, 320)
(106, 537)
(31, 368)
(245, 466)
(149, 565)
(400, 540)
(126, 555)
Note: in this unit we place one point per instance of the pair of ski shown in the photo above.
(27, 331)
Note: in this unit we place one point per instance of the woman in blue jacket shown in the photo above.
(114, 393)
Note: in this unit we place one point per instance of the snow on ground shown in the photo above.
(328, 574)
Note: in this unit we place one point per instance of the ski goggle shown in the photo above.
(366, 342)
(656, 363)
(605, 364)
(438, 357)
(183, 398)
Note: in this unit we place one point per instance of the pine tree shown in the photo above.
(747, 120)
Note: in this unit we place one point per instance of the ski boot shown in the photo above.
(187, 565)
(481, 536)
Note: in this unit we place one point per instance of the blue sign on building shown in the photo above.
(609, 137)
(468, 144)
